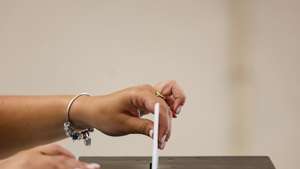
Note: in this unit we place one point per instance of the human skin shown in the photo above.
(46, 157)
(28, 121)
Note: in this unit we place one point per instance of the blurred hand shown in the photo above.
(118, 113)
(46, 157)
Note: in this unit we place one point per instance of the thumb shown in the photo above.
(140, 126)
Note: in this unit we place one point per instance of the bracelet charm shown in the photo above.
(84, 134)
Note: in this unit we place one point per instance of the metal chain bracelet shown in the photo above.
(69, 128)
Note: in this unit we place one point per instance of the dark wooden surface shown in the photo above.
(218, 162)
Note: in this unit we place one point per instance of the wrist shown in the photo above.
(79, 112)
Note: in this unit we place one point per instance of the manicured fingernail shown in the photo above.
(93, 166)
(178, 110)
(163, 139)
(162, 142)
(151, 133)
(163, 145)
(174, 114)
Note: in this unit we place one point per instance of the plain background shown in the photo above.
(238, 62)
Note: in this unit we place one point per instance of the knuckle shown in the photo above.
(132, 92)
(147, 87)
(173, 81)
(141, 90)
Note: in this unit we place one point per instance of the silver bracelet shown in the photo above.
(69, 128)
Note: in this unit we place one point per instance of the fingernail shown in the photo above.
(93, 166)
(174, 114)
(162, 142)
(163, 139)
(178, 110)
(163, 145)
(151, 133)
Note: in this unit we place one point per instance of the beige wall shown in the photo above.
(237, 60)
(274, 57)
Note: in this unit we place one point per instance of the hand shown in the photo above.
(47, 157)
(174, 96)
(117, 114)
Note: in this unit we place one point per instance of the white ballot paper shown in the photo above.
(155, 137)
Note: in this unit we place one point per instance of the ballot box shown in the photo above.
(210, 162)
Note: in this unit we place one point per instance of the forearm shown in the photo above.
(27, 121)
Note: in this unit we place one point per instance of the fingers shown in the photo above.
(93, 166)
(164, 116)
(140, 126)
(170, 101)
(145, 99)
(173, 90)
(55, 149)
(64, 162)
(169, 133)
